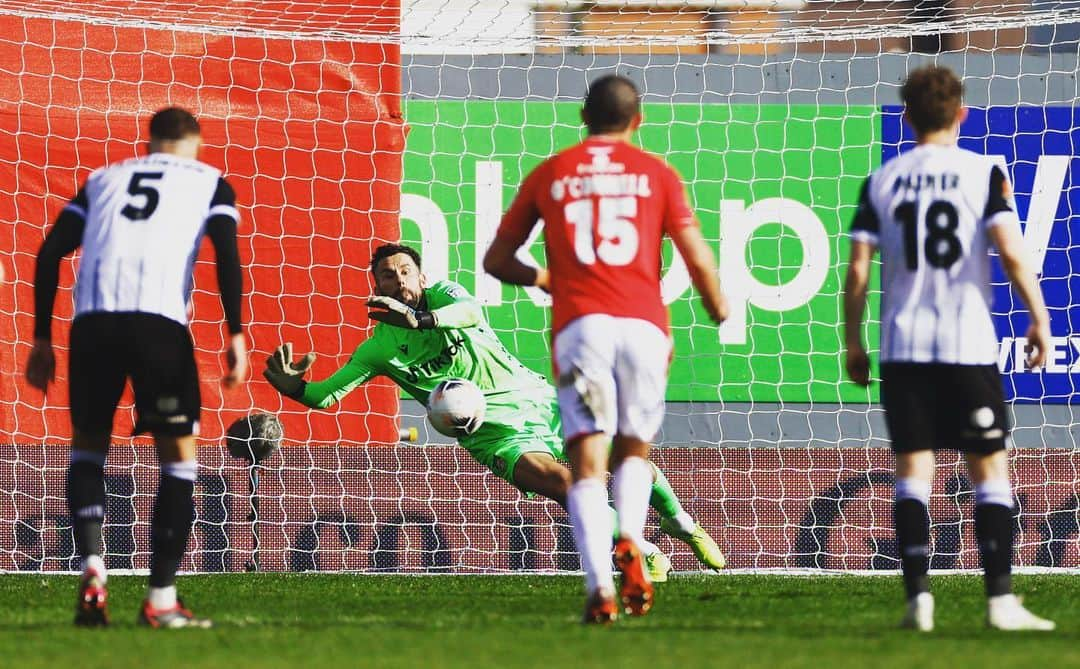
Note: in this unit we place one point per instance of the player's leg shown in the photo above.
(592, 522)
(911, 518)
(170, 527)
(676, 522)
(994, 531)
(643, 352)
(168, 403)
(989, 472)
(908, 395)
(584, 358)
(982, 429)
(96, 381)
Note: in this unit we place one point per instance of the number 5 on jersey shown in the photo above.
(137, 188)
(618, 236)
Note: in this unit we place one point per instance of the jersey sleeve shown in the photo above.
(78, 205)
(677, 211)
(221, 229)
(519, 220)
(453, 306)
(1000, 203)
(866, 226)
(365, 363)
(223, 202)
(64, 237)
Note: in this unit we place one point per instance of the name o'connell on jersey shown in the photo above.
(929, 211)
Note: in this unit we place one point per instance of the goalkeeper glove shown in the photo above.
(287, 377)
(390, 311)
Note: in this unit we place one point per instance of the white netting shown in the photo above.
(774, 112)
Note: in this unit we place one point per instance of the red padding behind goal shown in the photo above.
(310, 135)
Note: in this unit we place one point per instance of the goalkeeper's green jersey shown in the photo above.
(462, 346)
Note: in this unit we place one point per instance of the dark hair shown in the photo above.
(932, 97)
(173, 123)
(611, 104)
(387, 250)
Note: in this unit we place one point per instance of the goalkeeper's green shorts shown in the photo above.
(499, 447)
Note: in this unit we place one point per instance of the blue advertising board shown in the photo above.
(1036, 145)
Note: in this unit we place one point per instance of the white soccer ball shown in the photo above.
(456, 408)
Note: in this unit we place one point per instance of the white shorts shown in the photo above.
(612, 376)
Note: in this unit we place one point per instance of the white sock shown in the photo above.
(647, 547)
(96, 564)
(163, 598)
(685, 521)
(633, 485)
(591, 519)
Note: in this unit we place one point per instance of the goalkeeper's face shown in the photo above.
(397, 276)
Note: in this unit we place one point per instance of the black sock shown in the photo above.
(86, 504)
(994, 530)
(174, 512)
(913, 541)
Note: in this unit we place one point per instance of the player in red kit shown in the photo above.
(606, 206)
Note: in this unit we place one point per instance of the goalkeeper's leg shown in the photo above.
(540, 473)
(677, 523)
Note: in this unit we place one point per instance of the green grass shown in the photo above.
(275, 620)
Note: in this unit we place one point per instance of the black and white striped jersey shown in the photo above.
(929, 212)
(144, 221)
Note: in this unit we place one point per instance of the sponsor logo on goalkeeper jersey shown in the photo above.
(438, 363)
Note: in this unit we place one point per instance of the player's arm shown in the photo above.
(682, 226)
(288, 376)
(456, 310)
(221, 229)
(702, 269)
(1004, 230)
(864, 238)
(64, 237)
(517, 224)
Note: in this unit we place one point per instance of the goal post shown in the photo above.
(342, 128)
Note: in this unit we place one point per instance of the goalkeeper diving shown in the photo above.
(428, 334)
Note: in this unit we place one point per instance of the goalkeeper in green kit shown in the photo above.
(429, 334)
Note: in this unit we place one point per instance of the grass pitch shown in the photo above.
(307, 620)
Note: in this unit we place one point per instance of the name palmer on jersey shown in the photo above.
(929, 212)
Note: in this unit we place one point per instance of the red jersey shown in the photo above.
(606, 206)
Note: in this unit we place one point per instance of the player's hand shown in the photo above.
(1038, 337)
(285, 375)
(543, 280)
(858, 365)
(41, 365)
(720, 311)
(392, 312)
(237, 359)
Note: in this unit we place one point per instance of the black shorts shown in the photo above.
(940, 406)
(155, 352)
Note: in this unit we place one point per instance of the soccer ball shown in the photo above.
(456, 408)
(254, 438)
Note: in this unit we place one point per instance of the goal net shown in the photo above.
(343, 126)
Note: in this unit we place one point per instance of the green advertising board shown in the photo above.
(773, 185)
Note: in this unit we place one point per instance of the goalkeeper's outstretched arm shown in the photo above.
(287, 376)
